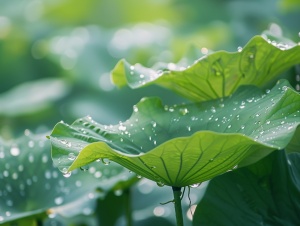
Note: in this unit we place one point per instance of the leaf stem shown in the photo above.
(177, 203)
(128, 207)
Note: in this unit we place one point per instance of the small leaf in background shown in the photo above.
(185, 144)
(215, 75)
(30, 185)
(31, 97)
(265, 193)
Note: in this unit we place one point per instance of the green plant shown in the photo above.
(232, 124)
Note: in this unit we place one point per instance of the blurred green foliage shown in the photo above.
(56, 55)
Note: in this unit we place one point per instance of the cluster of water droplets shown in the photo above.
(29, 173)
(279, 45)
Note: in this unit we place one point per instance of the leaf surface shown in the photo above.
(30, 185)
(185, 144)
(266, 193)
(215, 75)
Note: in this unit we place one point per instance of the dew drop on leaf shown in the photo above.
(153, 124)
(122, 128)
(195, 185)
(105, 161)
(71, 156)
(160, 184)
(67, 175)
(58, 200)
(135, 108)
(118, 192)
(14, 151)
(213, 109)
(183, 111)
(31, 144)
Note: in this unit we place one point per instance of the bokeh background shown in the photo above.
(56, 57)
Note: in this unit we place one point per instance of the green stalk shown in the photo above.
(128, 207)
(177, 203)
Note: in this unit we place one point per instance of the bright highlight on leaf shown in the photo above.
(215, 75)
(185, 144)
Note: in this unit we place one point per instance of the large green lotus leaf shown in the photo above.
(30, 185)
(189, 143)
(266, 193)
(216, 75)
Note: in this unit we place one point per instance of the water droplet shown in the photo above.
(71, 156)
(44, 158)
(98, 174)
(229, 126)
(221, 105)
(211, 160)
(195, 185)
(242, 127)
(135, 108)
(160, 184)
(78, 183)
(122, 128)
(58, 200)
(67, 175)
(139, 176)
(118, 192)
(268, 122)
(31, 144)
(64, 170)
(284, 88)
(183, 111)
(239, 49)
(194, 118)
(282, 122)
(31, 158)
(153, 124)
(14, 151)
(213, 109)
(105, 161)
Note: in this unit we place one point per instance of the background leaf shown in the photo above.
(216, 75)
(177, 145)
(27, 174)
(266, 193)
